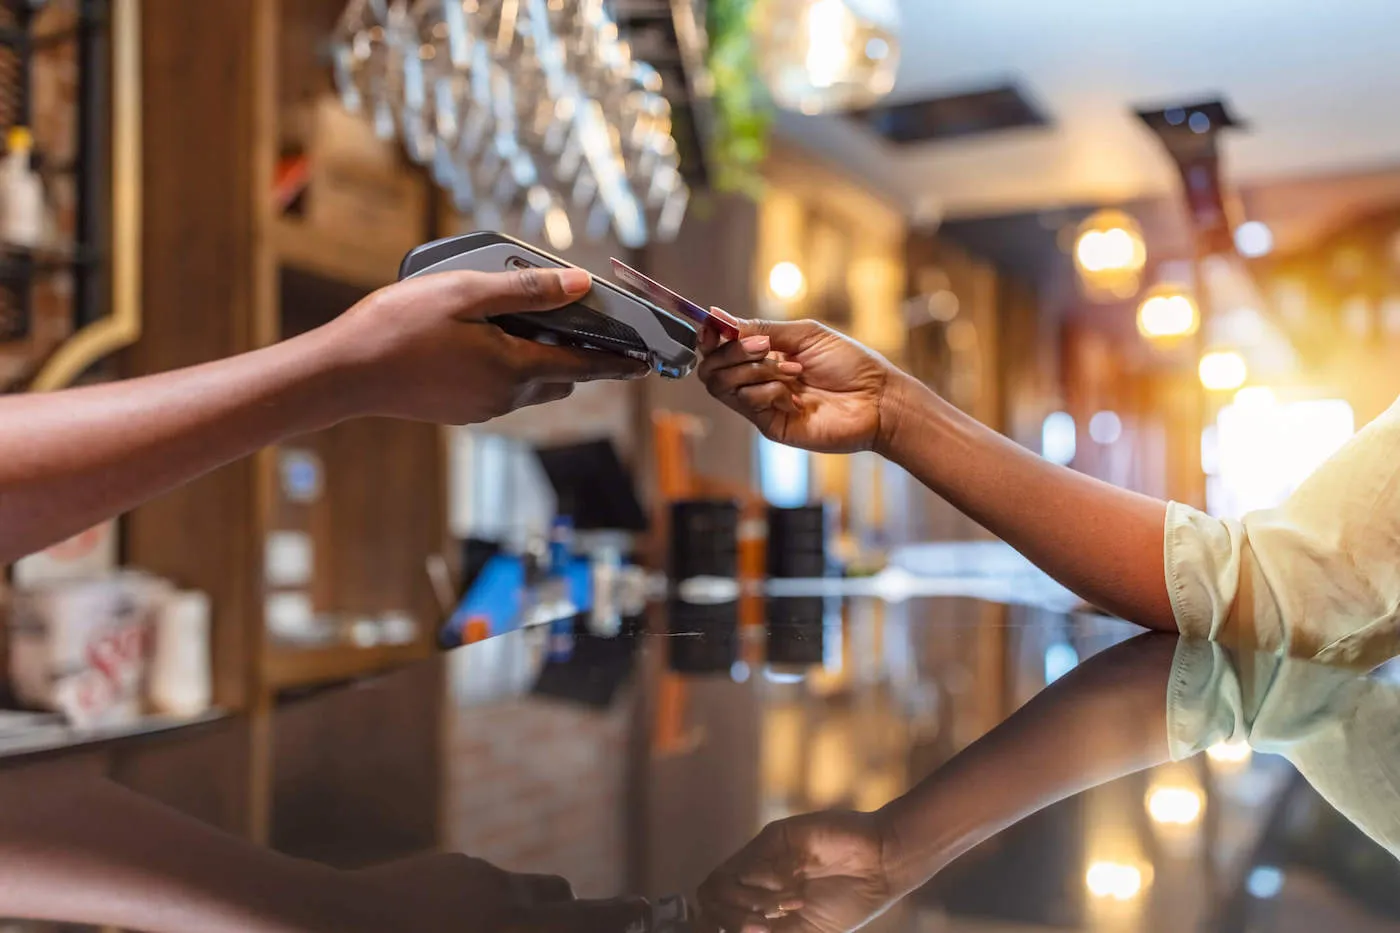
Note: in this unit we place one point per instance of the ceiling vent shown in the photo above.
(956, 116)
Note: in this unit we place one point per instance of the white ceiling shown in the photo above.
(1317, 83)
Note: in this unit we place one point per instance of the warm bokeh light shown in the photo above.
(1110, 241)
(1255, 397)
(1175, 806)
(822, 55)
(1168, 312)
(1109, 254)
(1106, 250)
(1113, 880)
(786, 281)
(558, 230)
(1223, 370)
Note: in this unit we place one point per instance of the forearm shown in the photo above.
(84, 850)
(1101, 541)
(71, 459)
(1103, 720)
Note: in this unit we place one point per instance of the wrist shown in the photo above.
(904, 404)
(337, 381)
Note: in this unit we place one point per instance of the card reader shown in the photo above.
(607, 318)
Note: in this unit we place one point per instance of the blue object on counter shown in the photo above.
(498, 597)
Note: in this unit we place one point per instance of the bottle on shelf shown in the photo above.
(21, 192)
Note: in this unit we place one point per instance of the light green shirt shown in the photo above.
(1318, 577)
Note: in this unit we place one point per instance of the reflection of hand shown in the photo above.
(816, 873)
(806, 385)
(450, 893)
(423, 349)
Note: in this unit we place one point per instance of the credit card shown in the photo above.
(723, 324)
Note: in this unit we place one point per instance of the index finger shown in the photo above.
(613, 916)
(544, 363)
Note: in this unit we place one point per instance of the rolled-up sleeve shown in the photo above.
(1317, 577)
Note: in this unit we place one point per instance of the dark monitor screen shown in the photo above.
(593, 486)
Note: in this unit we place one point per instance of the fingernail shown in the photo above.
(755, 344)
(574, 281)
(790, 367)
(797, 402)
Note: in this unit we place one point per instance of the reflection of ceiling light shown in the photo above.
(1168, 312)
(1231, 753)
(786, 281)
(1223, 370)
(1254, 239)
(820, 55)
(1113, 879)
(1175, 806)
(1264, 882)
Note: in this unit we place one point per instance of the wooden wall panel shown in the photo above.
(198, 77)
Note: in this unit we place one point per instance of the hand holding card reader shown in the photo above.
(607, 318)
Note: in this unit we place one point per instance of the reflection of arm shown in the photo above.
(1103, 720)
(1339, 729)
(87, 851)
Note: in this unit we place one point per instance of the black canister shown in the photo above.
(704, 538)
(797, 541)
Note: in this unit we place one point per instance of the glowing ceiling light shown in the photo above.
(820, 55)
(1113, 880)
(1223, 370)
(1109, 253)
(786, 281)
(1168, 312)
(1175, 806)
(1254, 239)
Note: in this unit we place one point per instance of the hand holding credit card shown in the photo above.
(721, 323)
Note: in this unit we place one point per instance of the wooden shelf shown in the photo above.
(286, 667)
(68, 739)
(299, 245)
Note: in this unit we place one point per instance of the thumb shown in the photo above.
(784, 336)
(490, 294)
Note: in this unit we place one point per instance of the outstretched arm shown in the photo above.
(1101, 541)
(421, 349)
(806, 385)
